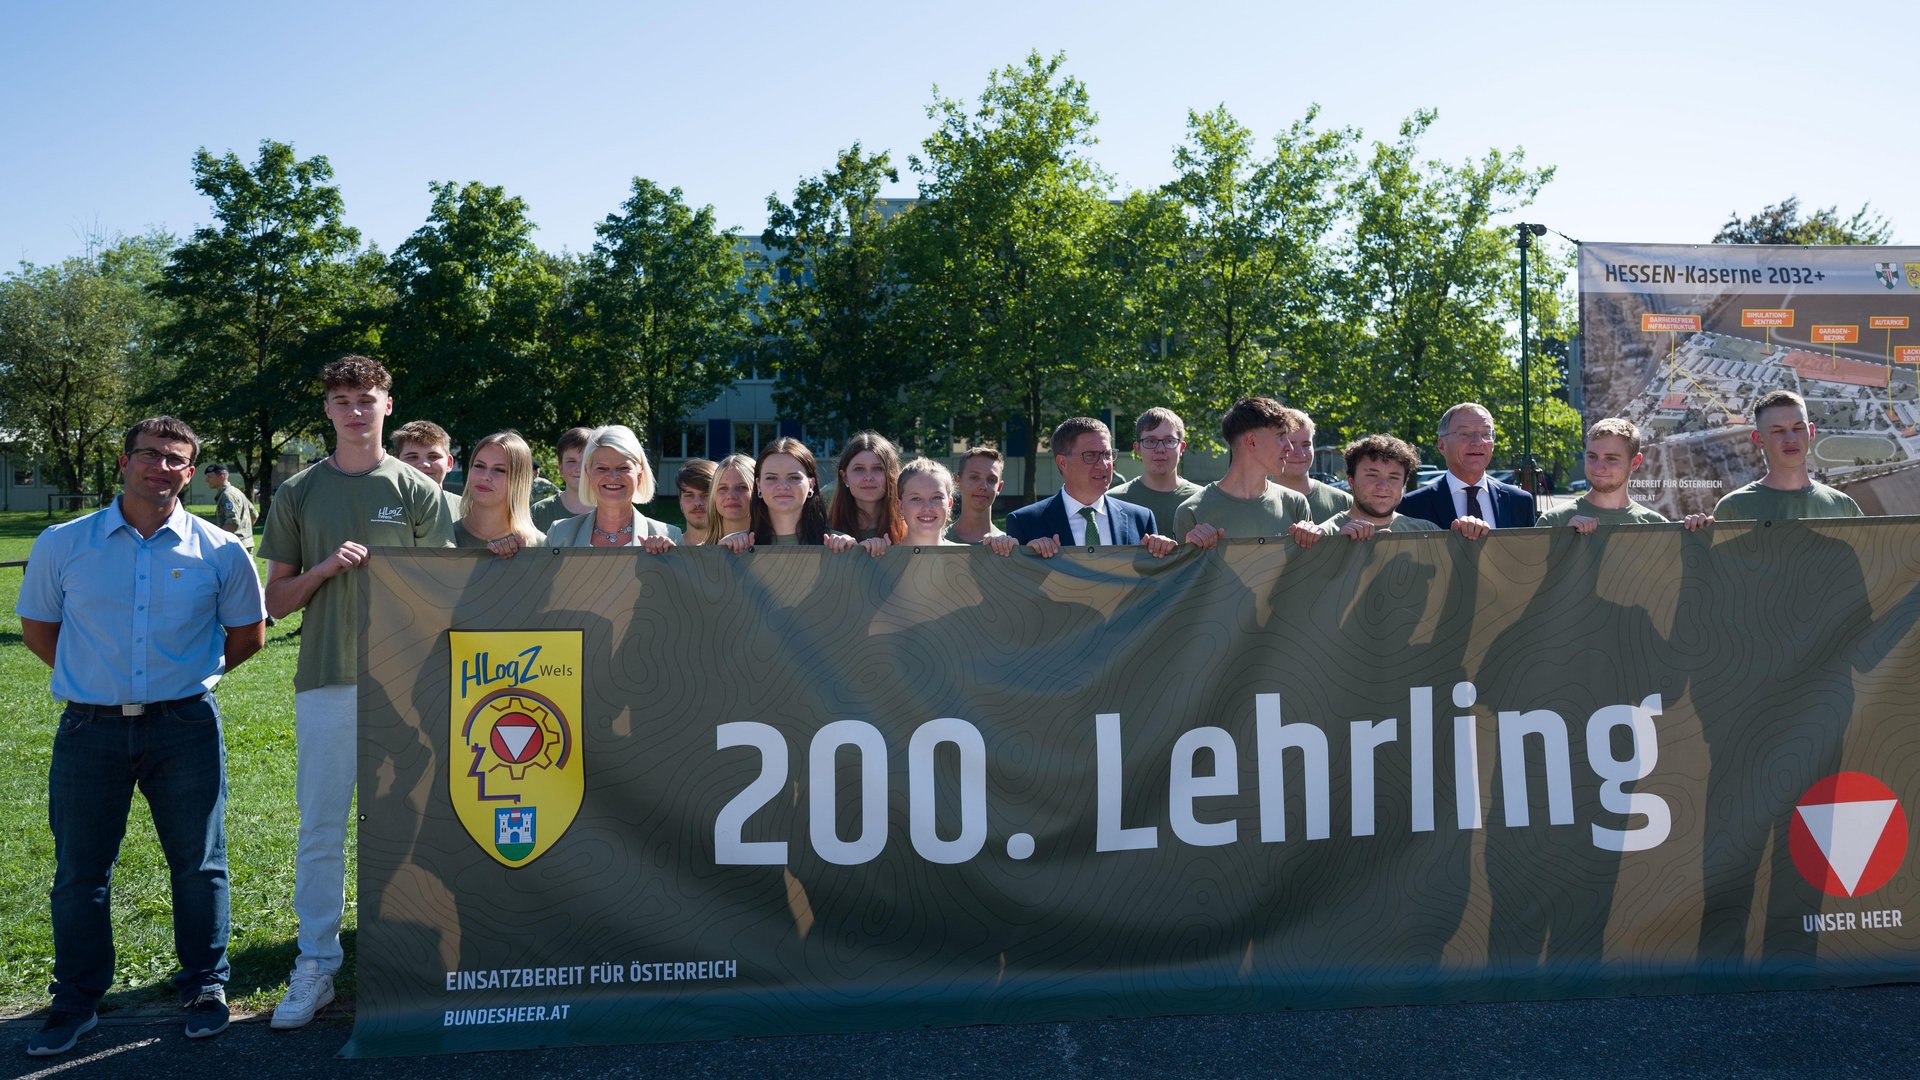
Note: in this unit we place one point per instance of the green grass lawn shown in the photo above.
(262, 822)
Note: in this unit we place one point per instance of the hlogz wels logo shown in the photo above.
(515, 772)
(1849, 834)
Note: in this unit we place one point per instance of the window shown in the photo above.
(750, 435)
(689, 442)
(23, 475)
(752, 368)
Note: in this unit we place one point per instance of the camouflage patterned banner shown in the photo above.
(614, 797)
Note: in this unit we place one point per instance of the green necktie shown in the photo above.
(1093, 530)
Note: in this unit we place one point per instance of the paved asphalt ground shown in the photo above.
(1865, 1032)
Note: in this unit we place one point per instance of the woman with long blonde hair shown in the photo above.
(494, 510)
(730, 497)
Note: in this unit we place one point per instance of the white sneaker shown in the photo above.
(307, 993)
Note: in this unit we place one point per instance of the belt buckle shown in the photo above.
(133, 710)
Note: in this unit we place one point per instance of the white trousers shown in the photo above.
(325, 726)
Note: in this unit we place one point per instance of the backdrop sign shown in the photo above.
(1683, 339)
(837, 793)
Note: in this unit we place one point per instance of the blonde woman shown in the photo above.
(926, 502)
(730, 498)
(494, 511)
(615, 478)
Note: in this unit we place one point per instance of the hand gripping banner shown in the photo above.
(618, 797)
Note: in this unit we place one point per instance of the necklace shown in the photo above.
(611, 537)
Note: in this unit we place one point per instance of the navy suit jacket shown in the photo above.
(1512, 506)
(1048, 517)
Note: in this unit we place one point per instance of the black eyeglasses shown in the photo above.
(150, 457)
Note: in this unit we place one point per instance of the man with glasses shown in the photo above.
(319, 528)
(1159, 437)
(1081, 514)
(1296, 467)
(139, 609)
(1244, 504)
(1464, 498)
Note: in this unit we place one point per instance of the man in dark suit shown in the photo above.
(1080, 514)
(1464, 498)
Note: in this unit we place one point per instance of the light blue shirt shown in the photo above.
(140, 619)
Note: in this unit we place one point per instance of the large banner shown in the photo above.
(610, 797)
(1683, 339)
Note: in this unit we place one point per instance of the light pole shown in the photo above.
(1526, 234)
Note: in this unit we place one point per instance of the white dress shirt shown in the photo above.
(1459, 489)
(1078, 523)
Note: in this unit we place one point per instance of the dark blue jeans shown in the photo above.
(176, 758)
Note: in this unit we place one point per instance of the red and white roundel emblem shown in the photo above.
(1849, 834)
(516, 737)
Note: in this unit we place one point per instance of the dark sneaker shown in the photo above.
(59, 1033)
(207, 1016)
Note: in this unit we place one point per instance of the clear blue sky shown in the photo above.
(1661, 118)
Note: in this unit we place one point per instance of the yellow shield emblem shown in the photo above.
(515, 770)
(1913, 274)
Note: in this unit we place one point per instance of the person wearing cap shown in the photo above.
(232, 510)
(139, 608)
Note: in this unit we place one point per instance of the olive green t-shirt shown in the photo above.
(1633, 514)
(1164, 504)
(1325, 500)
(1758, 502)
(1401, 524)
(1271, 514)
(549, 510)
(318, 509)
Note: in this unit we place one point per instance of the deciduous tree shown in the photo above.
(1256, 264)
(470, 333)
(830, 327)
(664, 312)
(1427, 290)
(1781, 223)
(75, 344)
(1013, 298)
(258, 298)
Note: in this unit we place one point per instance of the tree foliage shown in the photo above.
(1255, 266)
(76, 340)
(830, 327)
(1362, 282)
(663, 315)
(259, 299)
(470, 333)
(1011, 294)
(1426, 290)
(1781, 223)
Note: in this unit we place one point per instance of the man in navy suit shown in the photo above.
(1080, 514)
(1464, 498)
